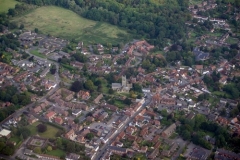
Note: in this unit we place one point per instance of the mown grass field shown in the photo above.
(49, 133)
(56, 152)
(64, 23)
(5, 5)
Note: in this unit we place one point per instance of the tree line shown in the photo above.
(10, 94)
(143, 17)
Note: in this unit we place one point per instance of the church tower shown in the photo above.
(124, 81)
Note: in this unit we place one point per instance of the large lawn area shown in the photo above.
(5, 5)
(64, 23)
(57, 153)
(50, 133)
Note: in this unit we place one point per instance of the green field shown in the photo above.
(37, 53)
(57, 153)
(49, 133)
(195, 2)
(7, 4)
(67, 24)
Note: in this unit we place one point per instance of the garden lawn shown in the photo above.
(15, 139)
(67, 24)
(37, 53)
(49, 133)
(57, 153)
(119, 104)
(221, 94)
(5, 5)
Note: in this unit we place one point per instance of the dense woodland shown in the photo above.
(156, 22)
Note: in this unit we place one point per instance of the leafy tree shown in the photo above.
(80, 57)
(21, 26)
(14, 99)
(127, 101)
(186, 135)
(31, 59)
(24, 131)
(89, 136)
(2, 145)
(41, 128)
(76, 120)
(234, 112)
(36, 30)
(110, 91)
(223, 112)
(53, 69)
(89, 85)
(49, 148)
(59, 143)
(137, 87)
(70, 146)
(8, 149)
(164, 113)
(76, 86)
(199, 119)
(11, 12)
(37, 150)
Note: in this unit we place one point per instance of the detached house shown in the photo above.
(70, 134)
(58, 120)
(85, 95)
(50, 115)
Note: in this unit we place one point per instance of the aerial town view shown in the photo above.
(119, 79)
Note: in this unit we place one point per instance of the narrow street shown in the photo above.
(104, 148)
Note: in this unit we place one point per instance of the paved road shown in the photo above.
(6, 157)
(21, 110)
(181, 144)
(104, 148)
(26, 108)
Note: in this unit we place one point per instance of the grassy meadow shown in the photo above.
(5, 5)
(64, 23)
(49, 133)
